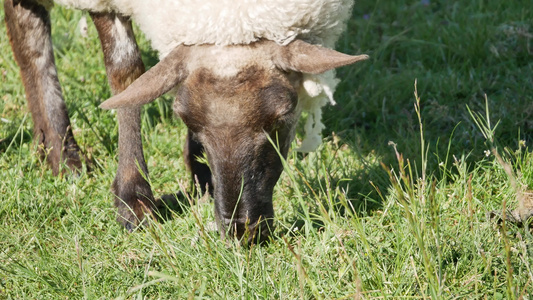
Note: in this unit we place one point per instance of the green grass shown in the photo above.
(359, 218)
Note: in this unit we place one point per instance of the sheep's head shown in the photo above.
(240, 103)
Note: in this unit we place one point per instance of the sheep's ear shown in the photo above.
(307, 58)
(161, 78)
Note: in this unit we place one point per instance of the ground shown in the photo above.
(394, 204)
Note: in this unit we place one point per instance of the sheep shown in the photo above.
(241, 71)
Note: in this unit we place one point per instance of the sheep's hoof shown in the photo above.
(161, 210)
(75, 164)
(68, 162)
(130, 227)
(135, 217)
(134, 202)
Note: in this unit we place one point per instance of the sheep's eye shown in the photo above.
(279, 100)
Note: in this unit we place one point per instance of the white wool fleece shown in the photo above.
(169, 23)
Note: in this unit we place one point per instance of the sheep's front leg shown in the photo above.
(28, 27)
(133, 195)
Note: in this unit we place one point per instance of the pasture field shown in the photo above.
(393, 204)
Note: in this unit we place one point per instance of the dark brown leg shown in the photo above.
(134, 198)
(201, 174)
(28, 27)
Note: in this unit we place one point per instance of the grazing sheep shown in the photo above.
(242, 72)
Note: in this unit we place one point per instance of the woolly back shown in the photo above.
(168, 23)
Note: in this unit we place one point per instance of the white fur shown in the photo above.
(169, 23)
(316, 91)
(123, 47)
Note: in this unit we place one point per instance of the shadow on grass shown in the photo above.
(358, 191)
(454, 66)
(13, 139)
(171, 205)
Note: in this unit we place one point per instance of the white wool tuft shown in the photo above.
(317, 91)
(169, 23)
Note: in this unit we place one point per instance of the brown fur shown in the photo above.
(232, 118)
(28, 27)
(133, 195)
(120, 76)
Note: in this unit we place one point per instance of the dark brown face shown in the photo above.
(240, 103)
(242, 120)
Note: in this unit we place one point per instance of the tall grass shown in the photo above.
(358, 218)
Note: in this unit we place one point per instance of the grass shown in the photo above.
(392, 205)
